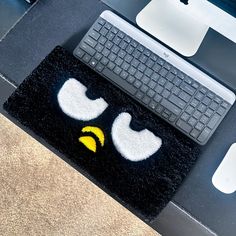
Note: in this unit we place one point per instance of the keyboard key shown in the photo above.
(160, 61)
(175, 90)
(112, 57)
(169, 85)
(97, 27)
(157, 98)
(115, 49)
(206, 101)
(192, 121)
(144, 88)
(140, 48)
(111, 65)
(102, 40)
(204, 135)
(139, 95)
(145, 79)
(199, 126)
(177, 101)
(162, 81)
(165, 93)
(132, 70)
(152, 84)
(165, 115)
(118, 61)
(146, 100)
(121, 34)
(156, 67)
(86, 58)
(159, 109)
(117, 40)
(143, 58)
(79, 53)
(225, 105)
(203, 90)
(99, 67)
(221, 111)
(194, 103)
(150, 93)
(93, 62)
(95, 35)
(194, 133)
(152, 105)
(98, 56)
(209, 112)
(148, 72)
(170, 76)
(138, 75)
(159, 89)
(125, 66)
(150, 63)
(119, 81)
(185, 116)
(197, 114)
(99, 47)
(177, 81)
(105, 52)
(134, 62)
(91, 42)
(101, 21)
(147, 53)
(109, 45)
(184, 96)
(213, 121)
(172, 118)
(137, 84)
(204, 119)
(104, 61)
(199, 96)
(103, 32)
(114, 30)
(202, 108)
(87, 49)
(117, 70)
(214, 106)
(163, 72)
(124, 74)
(170, 106)
(155, 77)
(190, 110)
(153, 57)
(184, 126)
(130, 79)
(187, 88)
(142, 67)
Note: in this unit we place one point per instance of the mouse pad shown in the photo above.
(133, 155)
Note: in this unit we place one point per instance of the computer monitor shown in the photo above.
(183, 24)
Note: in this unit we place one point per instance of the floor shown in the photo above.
(10, 12)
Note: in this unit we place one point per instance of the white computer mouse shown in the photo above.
(224, 179)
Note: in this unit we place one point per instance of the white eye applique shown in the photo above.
(133, 145)
(73, 101)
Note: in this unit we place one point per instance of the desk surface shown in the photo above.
(44, 27)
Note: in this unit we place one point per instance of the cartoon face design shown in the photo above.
(132, 145)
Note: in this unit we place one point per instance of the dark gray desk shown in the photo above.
(64, 22)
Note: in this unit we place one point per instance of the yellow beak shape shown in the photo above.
(89, 141)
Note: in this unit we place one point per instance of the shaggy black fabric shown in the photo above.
(144, 187)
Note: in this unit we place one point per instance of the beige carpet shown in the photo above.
(42, 195)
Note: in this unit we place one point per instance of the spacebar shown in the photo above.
(119, 81)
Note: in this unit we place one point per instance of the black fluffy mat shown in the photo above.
(146, 186)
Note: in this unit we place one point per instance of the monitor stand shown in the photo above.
(170, 22)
